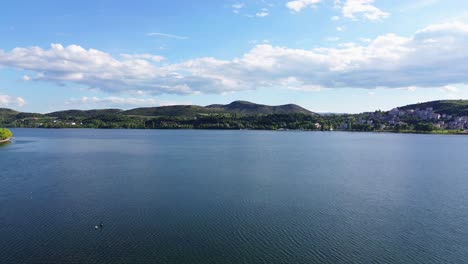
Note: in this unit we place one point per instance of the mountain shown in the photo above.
(172, 110)
(244, 107)
(237, 107)
(450, 107)
(5, 112)
(8, 115)
(83, 113)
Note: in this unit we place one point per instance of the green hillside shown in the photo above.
(173, 110)
(83, 113)
(236, 107)
(244, 107)
(451, 107)
(7, 115)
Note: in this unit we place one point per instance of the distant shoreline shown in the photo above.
(434, 132)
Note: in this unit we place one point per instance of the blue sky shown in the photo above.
(326, 55)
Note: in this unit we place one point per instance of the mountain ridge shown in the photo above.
(245, 107)
(455, 107)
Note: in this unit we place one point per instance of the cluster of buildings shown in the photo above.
(401, 117)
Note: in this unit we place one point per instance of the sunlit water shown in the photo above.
(190, 196)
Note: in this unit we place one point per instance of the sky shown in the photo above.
(342, 56)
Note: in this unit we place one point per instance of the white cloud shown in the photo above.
(292, 83)
(434, 57)
(340, 28)
(164, 35)
(149, 57)
(364, 8)
(19, 101)
(25, 78)
(237, 7)
(261, 14)
(349, 8)
(453, 28)
(11, 101)
(449, 88)
(298, 5)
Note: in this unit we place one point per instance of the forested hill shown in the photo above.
(83, 113)
(244, 107)
(173, 110)
(449, 107)
(236, 107)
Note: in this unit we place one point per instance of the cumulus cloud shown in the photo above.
(298, 5)
(433, 57)
(11, 101)
(365, 8)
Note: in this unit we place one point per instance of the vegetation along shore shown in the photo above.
(5, 135)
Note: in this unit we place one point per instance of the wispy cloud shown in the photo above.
(164, 35)
(237, 7)
(262, 14)
(418, 4)
(340, 28)
(144, 56)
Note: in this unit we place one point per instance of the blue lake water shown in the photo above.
(192, 196)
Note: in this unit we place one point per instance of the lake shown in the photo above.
(196, 196)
